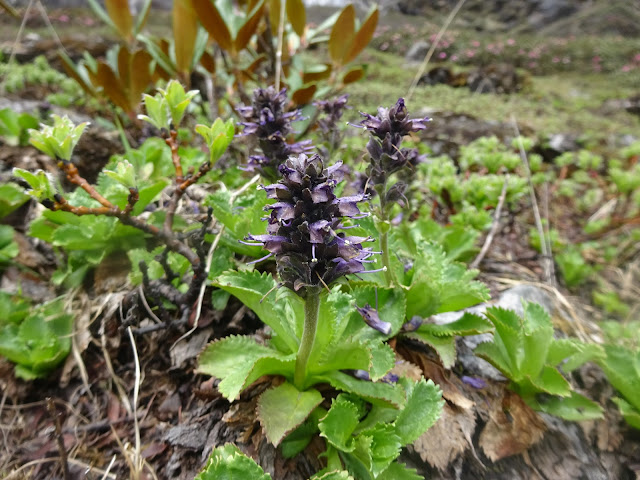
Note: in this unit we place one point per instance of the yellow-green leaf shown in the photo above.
(297, 15)
(119, 12)
(185, 30)
(213, 23)
(363, 37)
(342, 34)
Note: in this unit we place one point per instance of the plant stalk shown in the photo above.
(311, 311)
(384, 235)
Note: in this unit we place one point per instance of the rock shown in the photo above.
(495, 78)
(417, 51)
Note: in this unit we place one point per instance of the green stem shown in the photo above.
(311, 310)
(386, 261)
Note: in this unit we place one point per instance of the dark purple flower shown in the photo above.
(267, 120)
(305, 227)
(371, 318)
(475, 382)
(332, 111)
(387, 129)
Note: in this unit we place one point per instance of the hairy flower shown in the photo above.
(267, 120)
(388, 128)
(332, 110)
(304, 230)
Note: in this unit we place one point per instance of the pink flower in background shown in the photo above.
(637, 58)
(627, 68)
(442, 55)
(63, 18)
(475, 43)
(454, 58)
(555, 60)
(470, 53)
(533, 64)
(88, 21)
(511, 42)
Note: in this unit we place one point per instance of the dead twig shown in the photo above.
(51, 408)
(494, 225)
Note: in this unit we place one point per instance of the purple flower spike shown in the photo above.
(371, 318)
(267, 120)
(304, 230)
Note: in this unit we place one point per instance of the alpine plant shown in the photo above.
(267, 120)
(306, 226)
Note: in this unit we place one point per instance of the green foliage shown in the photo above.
(14, 127)
(229, 463)
(35, 338)
(574, 268)
(622, 366)
(41, 188)
(11, 197)
(8, 247)
(525, 351)
(490, 153)
(217, 137)
(167, 107)
(59, 140)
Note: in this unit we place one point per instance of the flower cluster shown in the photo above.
(304, 226)
(387, 129)
(333, 110)
(268, 121)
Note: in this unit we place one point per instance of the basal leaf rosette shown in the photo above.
(305, 226)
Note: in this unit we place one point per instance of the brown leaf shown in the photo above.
(249, 28)
(124, 66)
(111, 85)
(141, 64)
(449, 438)
(119, 12)
(363, 37)
(513, 427)
(303, 95)
(185, 31)
(213, 23)
(342, 35)
(208, 62)
(274, 16)
(450, 384)
(353, 75)
(297, 15)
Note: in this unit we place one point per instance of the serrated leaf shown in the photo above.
(345, 355)
(392, 305)
(283, 408)
(229, 463)
(335, 310)
(508, 338)
(421, 410)
(364, 35)
(383, 360)
(384, 447)
(444, 346)
(250, 288)
(468, 324)
(297, 441)
(340, 423)
(574, 408)
(342, 475)
(537, 338)
(568, 353)
(397, 471)
(490, 352)
(549, 381)
(377, 393)
(622, 366)
(631, 415)
(239, 361)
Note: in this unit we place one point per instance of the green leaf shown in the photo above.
(444, 346)
(239, 361)
(383, 360)
(631, 415)
(421, 410)
(468, 324)
(508, 338)
(11, 197)
(41, 188)
(229, 463)
(251, 288)
(549, 381)
(392, 305)
(493, 354)
(537, 338)
(8, 247)
(340, 423)
(569, 353)
(342, 475)
(622, 366)
(384, 446)
(124, 174)
(298, 440)
(377, 393)
(344, 355)
(574, 408)
(397, 471)
(283, 408)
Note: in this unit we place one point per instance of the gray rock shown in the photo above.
(417, 51)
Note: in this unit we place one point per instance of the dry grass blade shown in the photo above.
(494, 225)
(138, 461)
(429, 54)
(280, 45)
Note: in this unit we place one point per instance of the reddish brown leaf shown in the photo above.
(342, 35)
(303, 95)
(119, 12)
(111, 86)
(274, 16)
(353, 75)
(513, 427)
(124, 66)
(363, 37)
(141, 65)
(249, 28)
(297, 15)
(213, 23)
(185, 30)
(208, 62)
